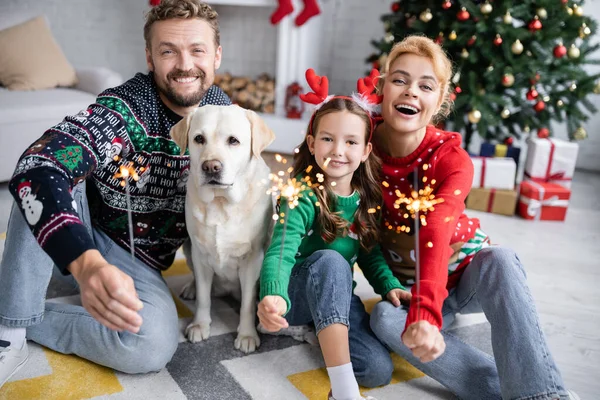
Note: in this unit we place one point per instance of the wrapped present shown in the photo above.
(491, 200)
(494, 173)
(551, 160)
(543, 201)
(500, 150)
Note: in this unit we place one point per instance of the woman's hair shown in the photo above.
(442, 67)
(365, 181)
(182, 9)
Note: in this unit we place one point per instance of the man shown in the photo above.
(128, 320)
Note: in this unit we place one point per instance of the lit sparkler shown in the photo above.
(125, 172)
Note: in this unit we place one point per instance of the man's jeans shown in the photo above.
(25, 273)
(320, 291)
(522, 367)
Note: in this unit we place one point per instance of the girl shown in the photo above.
(325, 233)
(455, 253)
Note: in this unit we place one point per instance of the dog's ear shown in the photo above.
(262, 135)
(179, 132)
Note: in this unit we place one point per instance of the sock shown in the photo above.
(285, 7)
(311, 8)
(16, 336)
(343, 382)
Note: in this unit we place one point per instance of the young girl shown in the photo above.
(454, 252)
(325, 233)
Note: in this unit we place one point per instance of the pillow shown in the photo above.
(31, 58)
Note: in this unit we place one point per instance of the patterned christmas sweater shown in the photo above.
(128, 124)
(298, 240)
(449, 239)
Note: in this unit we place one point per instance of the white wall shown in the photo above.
(109, 33)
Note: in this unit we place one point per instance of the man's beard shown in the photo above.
(190, 100)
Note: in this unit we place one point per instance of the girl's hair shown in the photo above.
(442, 67)
(365, 181)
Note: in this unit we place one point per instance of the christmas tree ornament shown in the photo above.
(464, 53)
(560, 103)
(597, 88)
(389, 38)
(452, 96)
(446, 5)
(535, 79)
(573, 87)
(508, 80)
(577, 10)
(471, 40)
(439, 39)
(481, 91)
(559, 51)
(526, 129)
(539, 106)
(497, 40)
(507, 19)
(532, 94)
(452, 35)
(396, 6)
(564, 1)
(584, 31)
(285, 7)
(505, 113)
(517, 47)
(474, 116)
(490, 68)
(542, 13)
(509, 141)
(463, 15)
(458, 90)
(546, 98)
(426, 16)
(535, 25)
(154, 3)
(486, 8)
(580, 134)
(569, 10)
(543, 133)
(573, 51)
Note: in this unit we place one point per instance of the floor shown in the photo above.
(563, 265)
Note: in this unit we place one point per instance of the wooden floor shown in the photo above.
(563, 266)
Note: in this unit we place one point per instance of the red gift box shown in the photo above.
(543, 201)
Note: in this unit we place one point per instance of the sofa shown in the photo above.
(25, 115)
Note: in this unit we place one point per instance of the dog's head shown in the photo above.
(222, 141)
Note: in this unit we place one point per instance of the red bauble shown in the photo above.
(509, 141)
(564, 1)
(463, 15)
(471, 40)
(446, 5)
(543, 133)
(452, 96)
(498, 40)
(395, 7)
(535, 79)
(532, 94)
(559, 51)
(439, 39)
(539, 106)
(535, 25)
(458, 90)
(154, 3)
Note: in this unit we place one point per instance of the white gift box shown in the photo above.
(494, 172)
(551, 160)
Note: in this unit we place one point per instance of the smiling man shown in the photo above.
(128, 319)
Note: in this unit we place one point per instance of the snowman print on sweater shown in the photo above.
(31, 206)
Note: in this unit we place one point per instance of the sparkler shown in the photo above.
(125, 172)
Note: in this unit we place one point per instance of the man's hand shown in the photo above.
(424, 340)
(107, 293)
(270, 311)
(396, 296)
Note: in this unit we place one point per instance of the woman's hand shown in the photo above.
(424, 340)
(270, 311)
(398, 296)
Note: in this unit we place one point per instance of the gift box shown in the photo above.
(551, 160)
(492, 200)
(500, 150)
(494, 173)
(543, 201)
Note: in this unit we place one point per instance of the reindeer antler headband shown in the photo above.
(364, 95)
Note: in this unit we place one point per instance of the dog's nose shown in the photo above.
(212, 166)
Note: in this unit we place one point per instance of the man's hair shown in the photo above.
(182, 9)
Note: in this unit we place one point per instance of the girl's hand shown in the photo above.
(270, 311)
(424, 340)
(395, 296)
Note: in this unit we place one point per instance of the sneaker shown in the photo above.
(11, 360)
(330, 397)
(572, 395)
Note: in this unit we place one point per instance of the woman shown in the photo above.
(455, 254)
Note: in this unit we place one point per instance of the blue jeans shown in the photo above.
(522, 367)
(320, 292)
(25, 273)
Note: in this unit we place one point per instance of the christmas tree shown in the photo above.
(518, 65)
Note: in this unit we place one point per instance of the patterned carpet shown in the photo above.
(282, 368)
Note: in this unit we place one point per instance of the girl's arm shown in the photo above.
(278, 264)
(377, 272)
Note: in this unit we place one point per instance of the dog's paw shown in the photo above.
(197, 332)
(247, 343)
(189, 290)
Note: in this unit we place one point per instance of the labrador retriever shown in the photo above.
(228, 212)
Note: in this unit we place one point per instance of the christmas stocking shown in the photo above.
(311, 8)
(285, 7)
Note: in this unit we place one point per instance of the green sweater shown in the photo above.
(300, 241)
